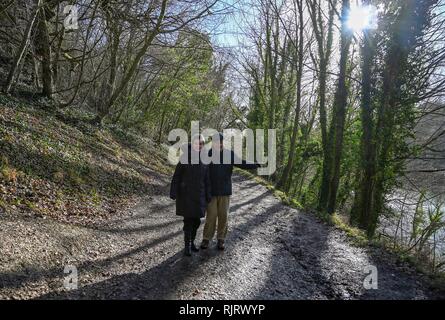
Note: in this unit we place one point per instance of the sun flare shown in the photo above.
(362, 18)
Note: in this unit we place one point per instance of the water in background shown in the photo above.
(398, 225)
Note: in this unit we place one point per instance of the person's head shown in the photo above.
(217, 141)
(198, 142)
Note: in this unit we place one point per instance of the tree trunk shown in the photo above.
(324, 53)
(284, 182)
(362, 207)
(412, 20)
(114, 41)
(22, 49)
(331, 168)
(135, 62)
(43, 42)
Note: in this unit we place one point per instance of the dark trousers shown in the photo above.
(191, 226)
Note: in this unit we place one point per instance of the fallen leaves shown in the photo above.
(63, 167)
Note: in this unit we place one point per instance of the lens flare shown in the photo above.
(362, 18)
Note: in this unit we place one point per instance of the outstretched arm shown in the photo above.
(243, 164)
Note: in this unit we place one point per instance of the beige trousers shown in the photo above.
(216, 218)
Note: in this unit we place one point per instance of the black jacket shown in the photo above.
(190, 187)
(221, 174)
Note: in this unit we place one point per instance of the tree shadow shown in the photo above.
(152, 284)
(327, 266)
(250, 201)
(86, 125)
(156, 211)
(140, 229)
(162, 280)
(247, 183)
(31, 274)
(397, 280)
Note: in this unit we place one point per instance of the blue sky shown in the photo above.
(228, 31)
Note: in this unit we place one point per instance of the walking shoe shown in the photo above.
(204, 244)
(194, 248)
(187, 251)
(221, 245)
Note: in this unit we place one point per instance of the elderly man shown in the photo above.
(221, 190)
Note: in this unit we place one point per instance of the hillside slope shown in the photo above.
(58, 164)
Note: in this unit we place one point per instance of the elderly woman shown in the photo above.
(190, 187)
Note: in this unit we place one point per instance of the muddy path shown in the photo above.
(273, 252)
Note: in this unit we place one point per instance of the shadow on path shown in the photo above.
(164, 280)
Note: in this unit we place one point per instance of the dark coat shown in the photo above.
(221, 174)
(190, 187)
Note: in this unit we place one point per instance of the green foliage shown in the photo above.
(419, 217)
(357, 236)
(185, 90)
(385, 107)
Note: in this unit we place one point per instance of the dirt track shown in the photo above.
(273, 252)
